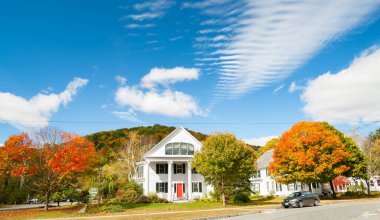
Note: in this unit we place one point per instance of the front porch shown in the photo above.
(172, 179)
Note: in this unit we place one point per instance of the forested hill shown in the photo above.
(114, 139)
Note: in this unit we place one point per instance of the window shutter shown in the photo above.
(157, 186)
(200, 187)
(166, 187)
(175, 188)
(166, 168)
(183, 188)
(157, 169)
(183, 168)
(175, 168)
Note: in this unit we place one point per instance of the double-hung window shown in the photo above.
(140, 171)
(179, 168)
(196, 187)
(162, 187)
(162, 168)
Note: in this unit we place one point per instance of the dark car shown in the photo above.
(301, 199)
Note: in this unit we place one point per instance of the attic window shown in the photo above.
(179, 148)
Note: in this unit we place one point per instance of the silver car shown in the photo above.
(301, 199)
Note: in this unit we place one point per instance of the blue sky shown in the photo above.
(248, 67)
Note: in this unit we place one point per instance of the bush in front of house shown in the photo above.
(143, 199)
(112, 208)
(132, 185)
(241, 197)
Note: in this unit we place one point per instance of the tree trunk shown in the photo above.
(46, 202)
(310, 190)
(332, 189)
(58, 202)
(223, 196)
(368, 188)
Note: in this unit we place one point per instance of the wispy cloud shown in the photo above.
(175, 38)
(294, 87)
(279, 88)
(266, 41)
(131, 26)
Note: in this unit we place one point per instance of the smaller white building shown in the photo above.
(166, 168)
(264, 185)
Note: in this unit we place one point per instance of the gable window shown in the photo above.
(140, 171)
(179, 148)
(162, 187)
(179, 168)
(161, 168)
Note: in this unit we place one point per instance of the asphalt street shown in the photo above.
(342, 211)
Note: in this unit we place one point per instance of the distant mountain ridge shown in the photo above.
(114, 139)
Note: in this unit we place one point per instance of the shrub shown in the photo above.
(154, 198)
(143, 199)
(241, 197)
(112, 208)
(130, 196)
(163, 200)
(132, 185)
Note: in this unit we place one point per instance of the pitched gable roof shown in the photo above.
(265, 159)
(169, 137)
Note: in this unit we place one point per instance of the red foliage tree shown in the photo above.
(49, 159)
(309, 152)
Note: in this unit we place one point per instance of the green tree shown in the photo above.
(371, 149)
(225, 162)
(271, 144)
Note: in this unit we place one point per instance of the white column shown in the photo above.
(189, 181)
(146, 177)
(170, 187)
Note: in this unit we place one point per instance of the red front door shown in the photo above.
(179, 190)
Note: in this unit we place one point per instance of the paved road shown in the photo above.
(31, 206)
(342, 211)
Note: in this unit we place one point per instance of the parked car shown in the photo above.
(327, 192)
(301, 199)
(33, 201)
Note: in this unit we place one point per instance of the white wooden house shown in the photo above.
(166, 168)
(264, 185)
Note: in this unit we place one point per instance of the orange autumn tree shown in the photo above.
(55, 158)
(309, 152)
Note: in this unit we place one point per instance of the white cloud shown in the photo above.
(121, 80)
(294, 87)
(144, 16)
(277, 89)
(149, 99)
(129, 115)
(261, 141)
(168, 76)
(36, 111)
(349, 96)
(270, 39)
(175, 38)
(169, 103)
(132, 26)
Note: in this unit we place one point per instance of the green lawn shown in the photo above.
(93, 210)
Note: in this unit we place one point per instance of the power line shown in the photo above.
(164, 123)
